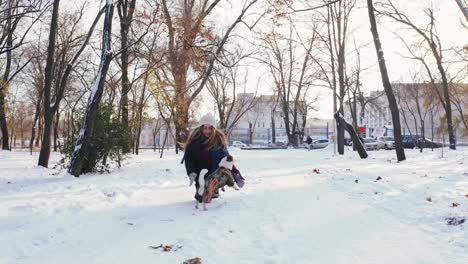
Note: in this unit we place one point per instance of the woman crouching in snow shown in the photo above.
(205, 148)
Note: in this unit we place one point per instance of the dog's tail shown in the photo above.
(201, 181)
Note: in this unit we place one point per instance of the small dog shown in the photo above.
(215, 181)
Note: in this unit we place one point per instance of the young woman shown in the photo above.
(205, 148)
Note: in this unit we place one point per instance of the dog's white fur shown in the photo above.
(201, 179)
(226, 164)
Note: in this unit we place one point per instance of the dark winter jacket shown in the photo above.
(197, 156)
(309, 140)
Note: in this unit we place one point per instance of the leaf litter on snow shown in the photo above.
(166, 248)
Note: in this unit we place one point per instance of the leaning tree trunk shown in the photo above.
(400, 152)
(352, 132)
(463, 8)
(86, 132)
(49, 72)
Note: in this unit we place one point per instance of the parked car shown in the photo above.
(409, 141)
(429, 143)
(386, 142)
(416, 141)
(319, 144)
(371, 144)
(238, 144)
(348, 142)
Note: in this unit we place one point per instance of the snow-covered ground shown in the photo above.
(287, 212)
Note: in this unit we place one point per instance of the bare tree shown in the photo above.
(224, 86)
(292, 77)
(400, 152)
(16, 20)
(459, 96)
(198, 52)
(48, 78)
(125, 10)
(61, 76)
(430, 36)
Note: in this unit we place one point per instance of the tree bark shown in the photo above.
(50, 109)
(37, 113)
(48, 78)
(400, 152)
(354, 137)
(4, 82)
(86, 132)
(125, 11)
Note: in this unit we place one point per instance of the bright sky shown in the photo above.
(449, 24)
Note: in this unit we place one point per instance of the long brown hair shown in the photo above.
(216, 140)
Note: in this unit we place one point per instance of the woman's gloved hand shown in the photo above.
(192, 177)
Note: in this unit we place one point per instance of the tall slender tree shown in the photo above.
(430, 36)
(125, 10)
(400, 152)
(48, 78)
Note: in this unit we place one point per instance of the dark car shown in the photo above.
(428, 143)
(409, 141)
(348, 142)
(416, 141)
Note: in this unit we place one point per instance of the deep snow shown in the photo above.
(287, 213)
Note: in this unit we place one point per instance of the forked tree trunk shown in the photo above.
(354, 137)
(48, 78)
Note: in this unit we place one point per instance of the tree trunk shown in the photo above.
(400, 152)
(86, 132)
(273, 129)
(37, 113)
(126, 16)
(181, 120)
(3, 122)
(39, 134)
(56, 135)
(49, 72)
(4, 82)
(350, 129)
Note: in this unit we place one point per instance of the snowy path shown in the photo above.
(286, 213)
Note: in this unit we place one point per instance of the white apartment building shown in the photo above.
(259, 121)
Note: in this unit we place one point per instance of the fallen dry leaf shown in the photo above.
(455, 204)
(167, 248)
(193, 261)
(156, 247)
(455, 220)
